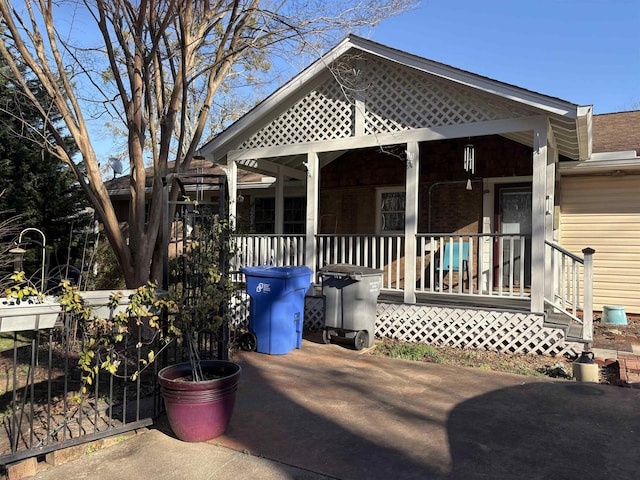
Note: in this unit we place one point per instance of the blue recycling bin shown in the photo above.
(277, 306)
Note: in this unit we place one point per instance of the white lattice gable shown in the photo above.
(392, 98)
(323, 114)
(399, 98)
(362, 89)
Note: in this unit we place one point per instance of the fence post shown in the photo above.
(587, 309)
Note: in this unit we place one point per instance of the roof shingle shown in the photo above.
(616, 132)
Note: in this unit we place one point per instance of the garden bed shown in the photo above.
(606, 336)
(518, 363)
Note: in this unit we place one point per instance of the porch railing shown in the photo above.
(469, 264)
(464, 264)
(256, 249)
(474, 264)
(572, 292)
(382, 252)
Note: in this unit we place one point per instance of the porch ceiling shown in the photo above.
(567, 134)
(293, 166)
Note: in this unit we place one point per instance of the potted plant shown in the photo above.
(199, 394)
(199, 402)
(25, 308)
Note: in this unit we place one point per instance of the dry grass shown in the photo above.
(521, 364)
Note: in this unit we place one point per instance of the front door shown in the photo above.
(513, 217)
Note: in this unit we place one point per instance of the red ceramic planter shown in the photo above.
(199, 411)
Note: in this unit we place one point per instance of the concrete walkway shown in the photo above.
(326, 411)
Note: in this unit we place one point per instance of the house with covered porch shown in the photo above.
(445, 180)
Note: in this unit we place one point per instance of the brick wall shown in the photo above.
(348, 190)
(348, 184)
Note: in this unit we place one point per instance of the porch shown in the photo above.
(444, 180)
(478, 297)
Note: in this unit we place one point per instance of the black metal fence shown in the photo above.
(46, 403)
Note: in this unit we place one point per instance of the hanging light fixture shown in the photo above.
(469, 163)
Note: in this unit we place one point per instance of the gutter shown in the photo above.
(603, 163)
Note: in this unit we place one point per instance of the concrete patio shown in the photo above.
(328, 411)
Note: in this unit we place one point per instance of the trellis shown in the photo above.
(196, 239)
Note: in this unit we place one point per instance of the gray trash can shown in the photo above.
(351, 295)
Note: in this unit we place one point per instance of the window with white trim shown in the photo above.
(264, 215)
(390, 210)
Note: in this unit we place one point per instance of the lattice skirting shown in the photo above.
(513, 332)
(241, 308)
(471, 328)
(239, 311)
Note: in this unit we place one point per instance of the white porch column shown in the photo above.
(279, 220)
(550, 220)
(313, 185)
(538, 217)
(412, 182)
(232, 183)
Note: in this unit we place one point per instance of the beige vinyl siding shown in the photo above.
(603, 212)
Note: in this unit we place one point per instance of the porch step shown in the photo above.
(572, 330)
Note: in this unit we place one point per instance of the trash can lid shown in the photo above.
(276, 272)
(348, 269)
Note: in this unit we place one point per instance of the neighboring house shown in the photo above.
(600, 207)
(255, 215)
(253, 199)
(462, 189)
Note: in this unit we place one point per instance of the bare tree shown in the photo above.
(156, 70)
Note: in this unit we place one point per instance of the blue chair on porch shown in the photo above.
(451, 261)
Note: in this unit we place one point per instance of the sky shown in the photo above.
(586, 52)
(583, 51)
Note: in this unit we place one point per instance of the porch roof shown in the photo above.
(120, 186)
(328, 109)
